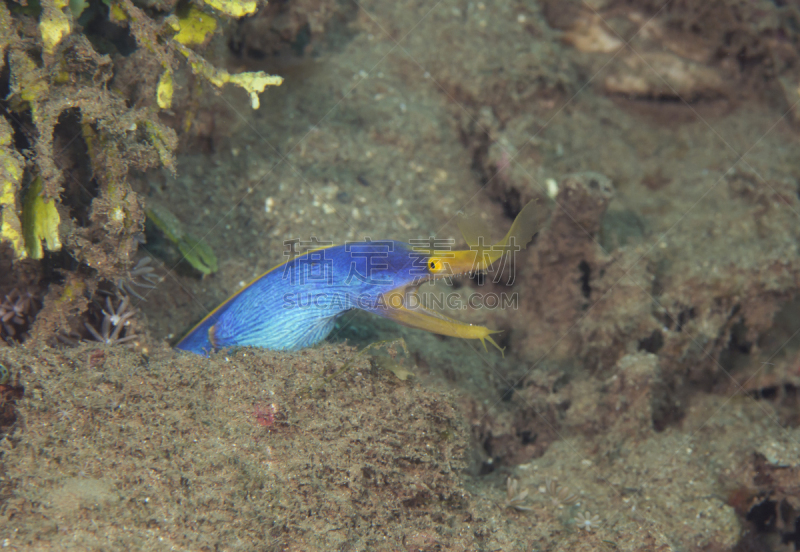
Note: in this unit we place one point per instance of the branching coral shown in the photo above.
(192, 29)
(72, 81)
(81, 135)
(72, 76)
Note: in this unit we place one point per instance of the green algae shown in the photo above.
(196, 251)
(40, 220)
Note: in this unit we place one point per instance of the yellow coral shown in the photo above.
(11, 166)
(235, 8)
(10, 174)
(7, 33)
(54, 24)
(116, 14)
(195, 27)
(161, 142)
(11, 231)
(164, 90)
(40, 222)
(73, 290)
(27, 80)
(254, 82)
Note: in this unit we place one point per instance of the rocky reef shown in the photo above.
(647, 399)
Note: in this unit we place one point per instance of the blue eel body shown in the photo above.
(297, 303)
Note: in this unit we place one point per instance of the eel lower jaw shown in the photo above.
(403, 305)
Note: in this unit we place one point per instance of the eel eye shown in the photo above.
(435, 265)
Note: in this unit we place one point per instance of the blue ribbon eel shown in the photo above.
(296, 304)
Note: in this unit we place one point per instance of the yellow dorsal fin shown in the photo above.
(529, 221)
(478, 239)
(473, 229)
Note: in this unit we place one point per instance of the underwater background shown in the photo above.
(158, 155)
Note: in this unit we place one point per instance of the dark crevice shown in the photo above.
(666, 414)
(508, 392)
(763, 516)
(684, 316)
(527, 437)
(776, 516)
(106, 36)
(512, 203)
(736, 354)
(10, 392)
(652, 343)
(80, 188)
(586, 273)
(283, 36)
(794, 536)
